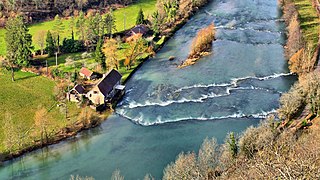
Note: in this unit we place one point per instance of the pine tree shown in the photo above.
(140, 17)
(19, 44)
(233, 147)
(80, 26)
(156, 22)
(72, 27)
(110, 23)
(50, 44)
(59, 29)
(99, 56)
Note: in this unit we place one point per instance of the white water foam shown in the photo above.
(233, 86)
(234, 81)
(159, 120)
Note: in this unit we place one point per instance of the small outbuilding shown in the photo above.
(76, 93)
(139, 29)
(86, 73)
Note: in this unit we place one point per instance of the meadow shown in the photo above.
(23, 97)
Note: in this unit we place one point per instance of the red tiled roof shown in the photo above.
(86, 72)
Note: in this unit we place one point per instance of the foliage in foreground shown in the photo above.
(304, 93)
(264, 154)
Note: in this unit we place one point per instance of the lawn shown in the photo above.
(309, 21)
(127, 14)
(22, 98)
(130, 13)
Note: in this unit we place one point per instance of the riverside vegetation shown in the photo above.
(201, 45)
(39, 114)
(283, 147)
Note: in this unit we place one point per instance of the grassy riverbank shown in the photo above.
(22, 98)
(309, 21)
(125, 15)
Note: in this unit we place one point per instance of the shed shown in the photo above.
(76, 93)
(139, 29)
(85, 73)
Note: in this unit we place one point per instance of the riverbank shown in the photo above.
(70, 131)
(179, 101)
(260, 150)
(302, 51)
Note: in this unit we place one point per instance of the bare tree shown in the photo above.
(10, 134)
(116, 175)
(41, 122)
(40, 39)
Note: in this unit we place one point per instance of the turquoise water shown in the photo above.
(168, 110)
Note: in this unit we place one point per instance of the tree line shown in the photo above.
(40, 9)
(89, 30)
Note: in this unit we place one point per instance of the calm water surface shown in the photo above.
(168, 110)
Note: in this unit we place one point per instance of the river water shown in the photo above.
(168, 110)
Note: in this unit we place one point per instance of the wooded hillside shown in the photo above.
(37, 10)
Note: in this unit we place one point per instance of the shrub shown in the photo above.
(69, 61)
(254, 139)
(311, 87)
(185, 167)
(294, 42)
(72, 46)
(86, 55)
(291, 102)
(202, 42)
(302, 61)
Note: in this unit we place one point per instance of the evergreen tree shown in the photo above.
(233, 146)
(19, 44)
(81, 26)
(59, 29)
(99, 56)
(50, 44)
(110, 23)
(72, 26)
(156, 22)
(140, 17)
(91, 38)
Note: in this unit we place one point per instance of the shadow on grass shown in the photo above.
(26, 77)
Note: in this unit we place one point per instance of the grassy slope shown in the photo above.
(22, 98)
(309, 21)
(131, 13)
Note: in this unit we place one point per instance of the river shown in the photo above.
(168, 110)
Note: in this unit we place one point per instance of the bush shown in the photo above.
(254, 139)
(202, 42)
(294, 42)
(291, 102)
(86, 55)
(69, 61)
(72, 46)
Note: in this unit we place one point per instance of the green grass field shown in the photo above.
(129, 12)
(22, 98)
(310, 23)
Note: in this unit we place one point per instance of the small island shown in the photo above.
(201, 45)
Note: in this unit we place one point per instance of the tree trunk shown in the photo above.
(12, 74)
(58, 45)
